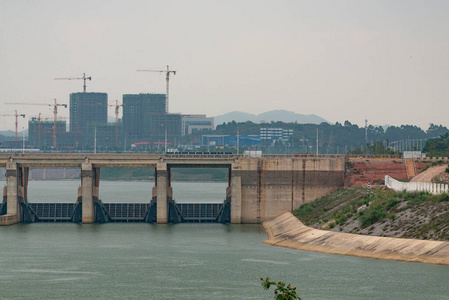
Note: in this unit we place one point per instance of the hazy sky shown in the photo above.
(342, 60)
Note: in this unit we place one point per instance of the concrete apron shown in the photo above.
(287, 231)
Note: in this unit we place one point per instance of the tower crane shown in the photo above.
(167, 78)
(55, 112)
(84, 78)
(17, 118)
(117, 107)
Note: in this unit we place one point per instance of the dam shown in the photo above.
(258, 188)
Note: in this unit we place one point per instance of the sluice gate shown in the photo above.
(52, 212)
(199, 212)
(3, 207)
(127, 212)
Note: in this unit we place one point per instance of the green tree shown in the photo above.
(437, 146)
(282, 292)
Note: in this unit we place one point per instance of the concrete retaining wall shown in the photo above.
(287, 231)
(433, 188)
(270, 187)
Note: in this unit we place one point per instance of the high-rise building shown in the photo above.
(87, 108)
(137, 112)
(157, 127)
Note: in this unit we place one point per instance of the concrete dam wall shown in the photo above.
(259, 188)
(272, 186)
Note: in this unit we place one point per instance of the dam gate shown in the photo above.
(258, 188)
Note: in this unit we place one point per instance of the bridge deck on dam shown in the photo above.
(46, 160)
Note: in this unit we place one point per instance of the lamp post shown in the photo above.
(165, 143)
(238, 140)
(23, 139)
(95, 140)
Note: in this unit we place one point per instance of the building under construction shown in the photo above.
(145, 122)
(87, 108)
(107, 136)
(145, 119)
(40, 134)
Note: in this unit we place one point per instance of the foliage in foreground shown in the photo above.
(282, 292)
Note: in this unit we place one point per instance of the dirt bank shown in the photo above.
(287, 231)
(429, 174)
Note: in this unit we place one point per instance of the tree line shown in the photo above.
(332, 139)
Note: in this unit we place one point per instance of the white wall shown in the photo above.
(433, 188)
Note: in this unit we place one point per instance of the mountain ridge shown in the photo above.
(268, 116)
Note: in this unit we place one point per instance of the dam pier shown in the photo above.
(258, 188)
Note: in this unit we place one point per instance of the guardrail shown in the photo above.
(375, 156)
(432, 188)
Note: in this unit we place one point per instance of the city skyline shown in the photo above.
(351, 60)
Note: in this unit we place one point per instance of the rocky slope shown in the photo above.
(380, 212)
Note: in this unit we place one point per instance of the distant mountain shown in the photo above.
(9, 133)
(237, 116)
(273, 115)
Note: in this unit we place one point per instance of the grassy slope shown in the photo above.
(382, 212)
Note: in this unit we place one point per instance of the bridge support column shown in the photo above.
(13, 214)
(87, 184)
(161, 193)
(236, 195)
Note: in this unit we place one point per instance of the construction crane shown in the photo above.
(167, 78)
(55, 113)
(84, 78)
(17, 119)
(117, 107)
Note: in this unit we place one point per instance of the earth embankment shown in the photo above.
(429, 174)
(287, 231)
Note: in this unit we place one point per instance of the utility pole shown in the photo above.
(84, 78)
(167, 79)
(95, 140)
(317, 141)
(165, 144)
(238, 141)
(366, 136)
(23, 139)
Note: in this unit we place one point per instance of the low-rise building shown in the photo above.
(192, 123)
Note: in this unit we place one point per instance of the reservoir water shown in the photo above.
(184, 261)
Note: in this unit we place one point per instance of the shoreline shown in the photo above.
(287, 231)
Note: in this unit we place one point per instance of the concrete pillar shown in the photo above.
(12, 190)
(88, 207)
(236, 195)
(96, 184)
(161, 192)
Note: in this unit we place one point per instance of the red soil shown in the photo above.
(362, 171)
